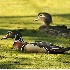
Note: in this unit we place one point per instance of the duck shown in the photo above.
(46, 18)
(33, 47)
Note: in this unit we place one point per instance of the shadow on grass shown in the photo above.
(58, 15)
(6, 66)
(17, 16)
(15, 63)
(66, 16)
(36, 35)
(3, 31)
(25, 32)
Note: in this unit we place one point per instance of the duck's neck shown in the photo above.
(18, 38)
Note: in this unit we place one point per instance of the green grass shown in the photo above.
(20, 15)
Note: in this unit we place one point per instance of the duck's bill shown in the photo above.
(5, 37)
(36, 19)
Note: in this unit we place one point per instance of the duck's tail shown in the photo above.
(67, 49)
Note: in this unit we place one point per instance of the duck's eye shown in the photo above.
(41, 15)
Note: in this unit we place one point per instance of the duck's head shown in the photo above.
(45, 17)
(13, 34)
(18, 41)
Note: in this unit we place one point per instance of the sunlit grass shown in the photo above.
(29, 7)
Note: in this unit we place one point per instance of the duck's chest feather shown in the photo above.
(18, 45)
(34, 49)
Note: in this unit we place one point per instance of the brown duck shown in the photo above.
(46, 18)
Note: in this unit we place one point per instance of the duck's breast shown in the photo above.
(18, 45)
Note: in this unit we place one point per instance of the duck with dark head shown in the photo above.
(46, 18)
(18, 41)
(34, 47)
